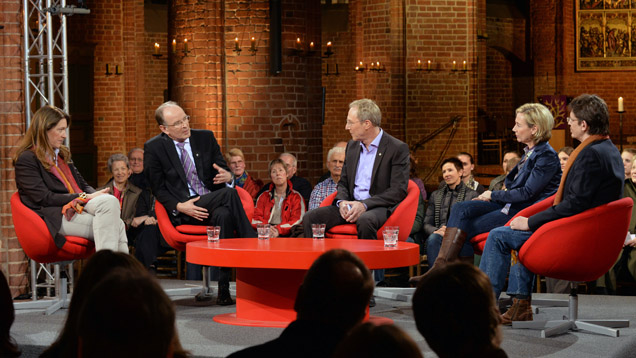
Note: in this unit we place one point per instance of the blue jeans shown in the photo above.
(434, 243)
(476, 217)
(496, 260)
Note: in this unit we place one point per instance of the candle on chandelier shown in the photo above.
(311, 46)
(419, 64)
(620, 105)
(185, 45)
(156, 48)
(454, 65)
(236, 44)
(428, 65)
(253, 44)
(464, 66)
(299, 45)
(174, 45)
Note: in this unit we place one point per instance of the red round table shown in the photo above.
(269, 272)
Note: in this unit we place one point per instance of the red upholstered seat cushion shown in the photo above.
(192, 229)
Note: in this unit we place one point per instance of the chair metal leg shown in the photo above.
(50, 306)
(395, 293)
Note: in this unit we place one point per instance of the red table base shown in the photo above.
(265, 298)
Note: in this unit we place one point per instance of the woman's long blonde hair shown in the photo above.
(36, 137)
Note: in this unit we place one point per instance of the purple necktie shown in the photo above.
(191, 171)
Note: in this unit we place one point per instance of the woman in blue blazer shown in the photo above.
(534, 178)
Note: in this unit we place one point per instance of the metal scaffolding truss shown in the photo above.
(45, 53)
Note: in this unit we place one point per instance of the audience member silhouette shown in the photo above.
(332, 299)
(453, 325)
(97, 267)
(368, 340)
(127, 314)
(8, 347)
(564, 154)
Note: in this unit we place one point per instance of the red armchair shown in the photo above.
(38, 245)
(582, 247)
(403, 216)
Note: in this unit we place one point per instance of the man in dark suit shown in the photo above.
(592, 177)
(331, 300)
(374, 176)
(189, 176)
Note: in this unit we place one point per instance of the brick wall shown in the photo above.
(12, 259)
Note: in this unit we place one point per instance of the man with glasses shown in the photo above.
(189, 176)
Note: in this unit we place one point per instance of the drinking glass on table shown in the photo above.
(263, 231)
(318, 231)
(213, 233)
(390, 234)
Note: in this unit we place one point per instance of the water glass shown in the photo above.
(318, 231)
(391, 236)
(263, 231)
(213, 233)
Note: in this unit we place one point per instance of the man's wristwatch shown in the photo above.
(82, 195)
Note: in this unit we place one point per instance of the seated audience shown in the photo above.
(368, 340)
(8, 347)
(324, 177)
(335, 160)
(510, 159)
(126, 193)
(413, 176)
(50, 185)
(332, 299)
(628, 158)
(469, 165)
(452, 190)
(301, 185)
(236, 161)
(280, 206)
(127, 314)
(564, 155)
(455, 310)
(625, 267)
(96, 268)
(136, 160)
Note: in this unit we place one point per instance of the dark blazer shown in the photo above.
(43, 192)
(538, 178)
(165, 173)
(389, 178)
(595, 178)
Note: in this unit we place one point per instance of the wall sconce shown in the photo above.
(117, 71)
(237, 48)
(377, 67)
(253, 49)
(360, 68)
(173, 47)
(156, 52)
(337, 73)
(186, 50)
(108, 73)
(329, 51)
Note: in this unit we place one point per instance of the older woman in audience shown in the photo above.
(236, 161)
(534, 178)
(564, 155)
(126, 192)
(280, 205)
(628, 158)
(50, 185)
(455, 310)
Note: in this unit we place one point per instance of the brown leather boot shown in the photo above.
(521, 310)
(452, 243)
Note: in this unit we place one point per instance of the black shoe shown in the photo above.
(224, 298)
(202, 297)
(372, 302)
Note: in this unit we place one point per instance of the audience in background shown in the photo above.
(50, 185)
(127, 314)
(8, 347)
(301, 185)
(368, 340)
(332, 299)
(468, 164)
(126, 193)
(455, 310)
(136, 160)
(324, 177)
(510, 159)
(97, 267)
(564, 155)
(335, 161)
(416, 179)
(280, 206)
(452, 190)
(534, 178)
(625, 267)
(236, 161)
(628, 159)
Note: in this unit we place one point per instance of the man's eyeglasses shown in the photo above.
(570, 120)
(180, 123)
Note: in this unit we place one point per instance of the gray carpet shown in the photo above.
(205, 338)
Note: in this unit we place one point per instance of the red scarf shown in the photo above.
(63, 172)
